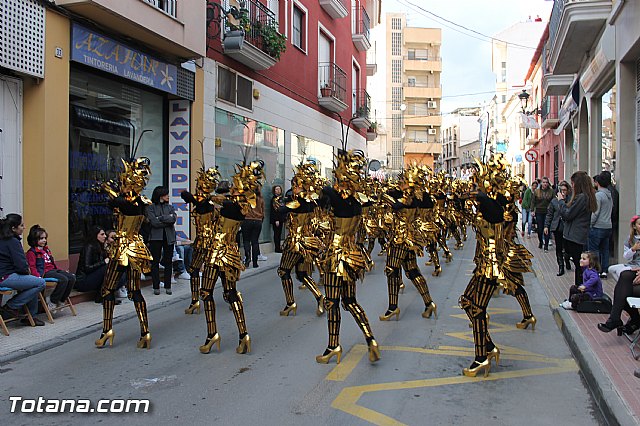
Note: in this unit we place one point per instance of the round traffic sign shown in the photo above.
(531, 155)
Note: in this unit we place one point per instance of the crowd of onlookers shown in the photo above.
(582, 218)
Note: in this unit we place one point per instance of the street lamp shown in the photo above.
(524, 100)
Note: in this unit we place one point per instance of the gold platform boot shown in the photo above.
(330, 353)
(145, 341)
(206, 348)
(104, 337)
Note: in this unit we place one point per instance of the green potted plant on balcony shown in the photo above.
(237, 24)
(361, 112)
(273, 43)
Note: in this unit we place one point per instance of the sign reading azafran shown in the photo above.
(104, 53)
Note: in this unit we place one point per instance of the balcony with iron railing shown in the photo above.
(549, 112)
(254, 39)
(574, 27)
(361, 25)
(332, 81)
(553, 84)
(372, 62)
(335, 8)
(362, 113)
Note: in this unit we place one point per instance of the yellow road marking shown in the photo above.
(348, 398)
(341, 371)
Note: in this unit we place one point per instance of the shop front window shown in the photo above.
(239, 137)
(303, 148)
(107, 118)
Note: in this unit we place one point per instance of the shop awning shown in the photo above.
(569, 106)
(528, 122)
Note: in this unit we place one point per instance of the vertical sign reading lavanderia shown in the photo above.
(179, 164)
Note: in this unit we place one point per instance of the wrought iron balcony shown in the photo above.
(251, 36)
(574, 27)
(332, 81)
(363, 109)
(335, 8)
(549, 112)
(361, 25)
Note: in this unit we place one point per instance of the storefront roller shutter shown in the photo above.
(22, 36)
(186, 84)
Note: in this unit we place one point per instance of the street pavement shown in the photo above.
(418, 381)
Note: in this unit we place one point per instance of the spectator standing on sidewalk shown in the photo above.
(527, 217)
(615, 211)
(162, 217)
(276, 217)
(553, 223)
(540, 200)
(576, 215)
(251, 229)
(15, 274)
(41, 264)
(600, 231)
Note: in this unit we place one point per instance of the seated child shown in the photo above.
(42, 265)
(591, 287)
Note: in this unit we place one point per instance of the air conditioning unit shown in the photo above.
(432, 104)
(432, 131)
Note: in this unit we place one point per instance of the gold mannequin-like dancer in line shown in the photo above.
(128, 254)
(301, 245)
(205, 217)
(223, 256)
(344, 260)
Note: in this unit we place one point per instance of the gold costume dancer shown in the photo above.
(427, 223)
(406, 243)
(223, 256)
(519, 258)
(494, 258)
(344, 261)
(436, 184)
(205, 217)
(128, 253)
(301, 245)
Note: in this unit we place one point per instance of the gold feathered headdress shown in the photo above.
(349, 173)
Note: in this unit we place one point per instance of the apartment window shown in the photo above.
(396, 44)
(418, 54)
(396, 98)
(396, 24)
(298, 32)
(396, 71)
(504, 72)
(411, 81)
(235, 88)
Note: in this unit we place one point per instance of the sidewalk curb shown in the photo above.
(609, 402)
(42, 346)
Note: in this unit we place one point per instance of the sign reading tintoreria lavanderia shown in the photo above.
(98, 51)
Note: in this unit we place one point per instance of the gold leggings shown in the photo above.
(194, 271)
(111, 278)
(400, 257)
(337, 289)
(288, 261)
(474, 301)
(230, 295)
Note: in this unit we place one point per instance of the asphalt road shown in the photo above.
(418, 381)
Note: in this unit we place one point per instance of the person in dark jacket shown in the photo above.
(539, 202)
(553, 223)
(251, 229)
(92, 264)
(576, 215)
(277, 218)
(15, 274)
(162, 217)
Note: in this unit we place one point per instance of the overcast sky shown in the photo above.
(466, 59)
